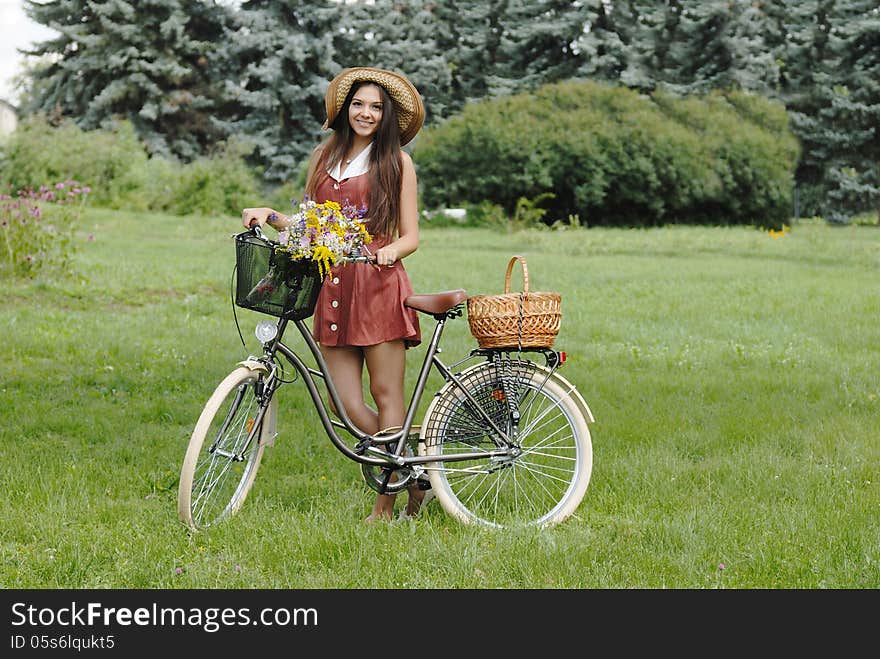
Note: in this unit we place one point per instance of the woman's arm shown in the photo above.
(408, 231)
(261, 216)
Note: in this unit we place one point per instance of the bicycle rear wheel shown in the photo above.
(541, 485)
(220, 466)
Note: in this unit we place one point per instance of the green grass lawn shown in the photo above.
(734, 377)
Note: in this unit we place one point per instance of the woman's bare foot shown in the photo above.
(382, 509)
(414, 503)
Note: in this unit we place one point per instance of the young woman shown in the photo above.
(360, 318)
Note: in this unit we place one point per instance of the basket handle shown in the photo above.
(513, 260)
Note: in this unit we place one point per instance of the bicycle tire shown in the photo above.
(213, 484)
(545, 483)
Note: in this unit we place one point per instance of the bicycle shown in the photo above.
(504, 441)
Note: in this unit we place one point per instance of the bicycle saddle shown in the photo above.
(435, 303)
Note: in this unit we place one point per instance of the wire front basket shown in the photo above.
(271, 282)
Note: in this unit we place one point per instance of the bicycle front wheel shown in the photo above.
(220, 464)
(543, 482)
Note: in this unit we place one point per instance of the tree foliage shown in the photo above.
(283, 54)
(191, 75)
(156, 63)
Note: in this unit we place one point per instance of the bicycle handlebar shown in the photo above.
(257, 230)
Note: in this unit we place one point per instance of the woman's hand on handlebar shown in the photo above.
(386, 256)
(251, 217)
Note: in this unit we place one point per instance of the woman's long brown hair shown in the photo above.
(385, 171)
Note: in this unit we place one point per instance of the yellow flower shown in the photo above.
(318, 232)
(324, 258)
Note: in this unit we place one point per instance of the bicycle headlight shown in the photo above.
(266, 330)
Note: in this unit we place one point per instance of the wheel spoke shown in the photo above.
(220, 464)
(541, 483)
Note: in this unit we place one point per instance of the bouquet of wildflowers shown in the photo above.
(324, 233)
(318, 233)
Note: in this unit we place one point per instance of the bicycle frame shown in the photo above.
(382, 457)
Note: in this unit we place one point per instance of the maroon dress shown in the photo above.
(361, 304)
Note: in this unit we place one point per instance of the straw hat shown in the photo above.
(410, 109)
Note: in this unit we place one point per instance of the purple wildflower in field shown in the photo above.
(30, 244)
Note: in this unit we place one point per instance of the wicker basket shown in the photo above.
(515, 320)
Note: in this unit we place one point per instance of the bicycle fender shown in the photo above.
(254, 365)
(270, 421)
(575, 394)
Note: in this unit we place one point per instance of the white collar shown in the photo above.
(359, 165)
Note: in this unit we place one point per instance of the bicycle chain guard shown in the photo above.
(375, 476)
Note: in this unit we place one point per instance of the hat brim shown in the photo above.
(410, 109)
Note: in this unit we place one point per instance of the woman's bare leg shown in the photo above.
(386, 363)
(346, 364)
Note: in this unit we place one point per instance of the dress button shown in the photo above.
(334, 304)
(333, 327)
(335, 280)
(335, 186)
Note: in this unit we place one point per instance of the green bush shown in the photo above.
(752, 154)
(604, 155)
(214, 185)
(38, 153)
(121, 175)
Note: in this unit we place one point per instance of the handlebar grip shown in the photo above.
(359, 259)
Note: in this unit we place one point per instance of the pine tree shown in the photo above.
(536, 44)
(154, 63)
(852, 176)
(604, 45)
(806, 87)
(284, 56)
(700, 46)
(470, 41)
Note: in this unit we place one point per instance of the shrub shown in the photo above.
(218, 184)
(114, 164)
(752, 154)
(38, 152)
(609, 156)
